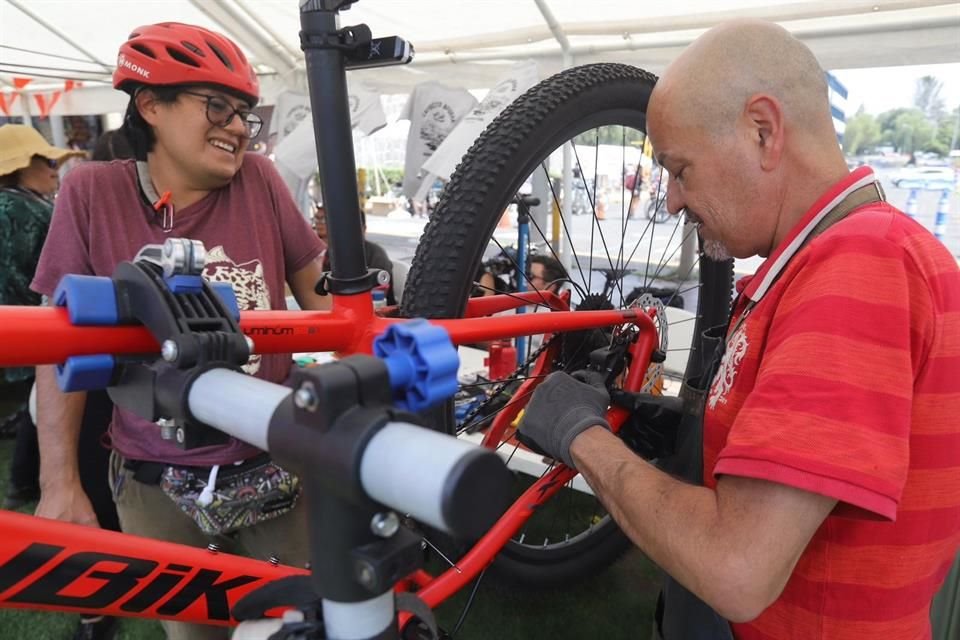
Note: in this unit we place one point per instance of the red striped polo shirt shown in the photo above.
(844, 380)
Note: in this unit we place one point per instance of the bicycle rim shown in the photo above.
(573, 536)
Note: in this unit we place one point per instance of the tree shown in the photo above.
(947, 130)
(926, 97)
(862, 133)
(907, 130)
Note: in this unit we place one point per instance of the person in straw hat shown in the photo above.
(28, 180)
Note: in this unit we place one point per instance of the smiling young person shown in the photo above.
(189, 121)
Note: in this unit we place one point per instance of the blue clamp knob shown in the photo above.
(228, 296)
(85, 373)
(421, 361)
(184, 284)
(90, 300)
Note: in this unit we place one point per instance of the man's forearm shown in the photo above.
(668, 519)
(59, 416)
(735, 547)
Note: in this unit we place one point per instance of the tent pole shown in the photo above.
(60, 35)
(566, 247)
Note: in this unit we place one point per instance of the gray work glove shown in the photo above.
(561, 408)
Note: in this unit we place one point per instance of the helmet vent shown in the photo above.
(180, 56)
(145, 50)
(193, 48)
(220, 54)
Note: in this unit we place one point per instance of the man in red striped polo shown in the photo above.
(829, 501)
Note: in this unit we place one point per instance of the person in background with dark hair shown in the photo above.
(28, 181)
(112, 145)
(545, 273)
(376, 256)
(189, 121)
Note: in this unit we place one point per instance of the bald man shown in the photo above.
(820, 493)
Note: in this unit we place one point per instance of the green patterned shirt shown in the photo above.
(24, 220)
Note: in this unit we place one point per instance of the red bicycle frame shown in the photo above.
(50, 565)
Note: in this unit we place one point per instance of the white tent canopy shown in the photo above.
(462, 43)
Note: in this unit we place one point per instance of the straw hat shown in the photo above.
(19, 143)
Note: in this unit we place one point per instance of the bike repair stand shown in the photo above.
(338, 430)
(328, 52)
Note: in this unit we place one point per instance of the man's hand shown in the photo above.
(66, 501)
(562, 408)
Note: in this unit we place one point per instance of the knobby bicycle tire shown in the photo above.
(453, 243)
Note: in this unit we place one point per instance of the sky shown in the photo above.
(882, 89)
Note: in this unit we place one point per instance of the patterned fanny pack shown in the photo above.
(231, 498)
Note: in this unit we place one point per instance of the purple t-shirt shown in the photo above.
(255, 237)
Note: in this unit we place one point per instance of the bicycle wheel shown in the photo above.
(657, 211)
(573, 536)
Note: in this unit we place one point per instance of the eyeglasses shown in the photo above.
(221, 113)
(50, 162)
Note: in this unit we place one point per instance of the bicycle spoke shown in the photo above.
(563, 222)
(596, 221)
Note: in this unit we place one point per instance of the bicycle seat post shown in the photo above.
(323, 49)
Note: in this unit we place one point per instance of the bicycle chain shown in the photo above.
(645, 300)
(465, 424)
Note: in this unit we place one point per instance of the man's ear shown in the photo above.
(765, 118)
(147, 105)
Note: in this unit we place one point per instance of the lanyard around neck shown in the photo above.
(160, 205)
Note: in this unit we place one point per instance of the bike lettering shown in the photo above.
(269, 331)
(122, 577)
(48, 589)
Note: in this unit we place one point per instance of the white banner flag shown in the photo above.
(521, 77)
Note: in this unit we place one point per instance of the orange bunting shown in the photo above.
(44, 105)
(20, 83)
(69, 85)
(6, 104)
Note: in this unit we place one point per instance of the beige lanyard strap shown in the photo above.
(866, 194)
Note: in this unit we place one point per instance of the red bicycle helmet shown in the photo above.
(171, 53)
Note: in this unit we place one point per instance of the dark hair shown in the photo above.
(10, 179)
(135, 129)
(112, 145)
(552, 269)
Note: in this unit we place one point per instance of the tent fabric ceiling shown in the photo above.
(465, 43)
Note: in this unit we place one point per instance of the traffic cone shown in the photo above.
(912, 203)
(943, 208)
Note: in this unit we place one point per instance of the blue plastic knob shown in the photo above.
(421, 361)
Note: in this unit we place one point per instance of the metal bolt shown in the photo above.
(168, 429)
(174, 257)
(213, 547)
(169, 350)
(274, 560)
(385, 525)
(181, 435)
(306, 397)
(383, 277)
(366, 575)
(198, 257)
(292, 616)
